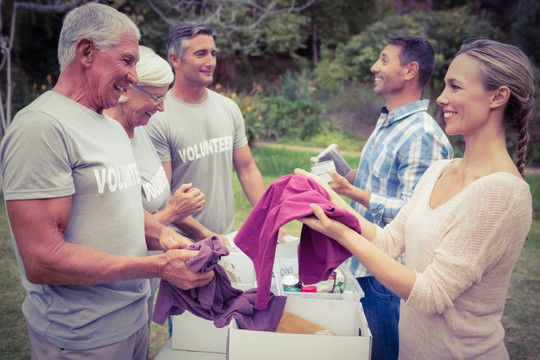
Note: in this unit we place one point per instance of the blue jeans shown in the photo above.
(381, 307)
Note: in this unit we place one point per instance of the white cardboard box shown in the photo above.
(168, 353)
(193, 333)
(345, 319)
(351, 290)
(286, 262)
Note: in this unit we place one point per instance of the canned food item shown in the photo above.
(290, 281)
(292, 289)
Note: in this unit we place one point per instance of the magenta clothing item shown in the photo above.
(286, 199)
(218, 300)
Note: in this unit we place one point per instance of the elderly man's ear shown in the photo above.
(85, 51)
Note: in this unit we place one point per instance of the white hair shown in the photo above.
(104, 25)
(152, 69)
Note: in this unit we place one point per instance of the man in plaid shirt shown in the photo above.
(404, 143)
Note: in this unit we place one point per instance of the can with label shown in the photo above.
(291, 282)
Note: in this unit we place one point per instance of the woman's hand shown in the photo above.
(320, 181)
(323, 224)
(186, 201)
(335, 198)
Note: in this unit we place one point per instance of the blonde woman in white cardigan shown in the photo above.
(465, 225)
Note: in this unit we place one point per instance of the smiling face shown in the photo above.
(466, 104)
(196, 68)
(140, 106)
(388, 72)
(112, 71)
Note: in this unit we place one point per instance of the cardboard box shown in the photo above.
(345, 319)
(351, 289)
(168, 353)
(243, 268)
(193, 333)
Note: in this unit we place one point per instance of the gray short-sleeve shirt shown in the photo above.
(199, 141)
(56, 147)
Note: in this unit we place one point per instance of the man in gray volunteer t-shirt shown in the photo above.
(200, 135)
(73, 198)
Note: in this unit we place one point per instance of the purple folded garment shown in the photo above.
(218, 301)
(286, 199)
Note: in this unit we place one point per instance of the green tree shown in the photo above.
(526, 29)
(247, 30)
(21, 24)
(335, 21)
(500, 13)
(445, 30)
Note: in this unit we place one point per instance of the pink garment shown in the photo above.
(286, 199)
(219, 300)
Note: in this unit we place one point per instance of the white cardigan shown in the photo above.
(463, 253)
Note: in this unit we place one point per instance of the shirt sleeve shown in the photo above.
(240, 138)
(158, 134)
(413, 160)
(36, 140)
(391, 238)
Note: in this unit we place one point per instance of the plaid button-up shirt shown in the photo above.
(403, 145)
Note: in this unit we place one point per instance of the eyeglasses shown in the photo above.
(157, 99)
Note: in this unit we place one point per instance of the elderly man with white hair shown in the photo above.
(73, 198)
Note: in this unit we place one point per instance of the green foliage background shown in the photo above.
(298, 75)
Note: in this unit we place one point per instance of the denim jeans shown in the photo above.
(381, 307)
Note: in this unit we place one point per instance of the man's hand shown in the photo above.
(170, 239)
(175, 271)
(339, 183)
(197, 231)
(221, 238)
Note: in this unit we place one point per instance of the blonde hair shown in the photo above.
(507, 65)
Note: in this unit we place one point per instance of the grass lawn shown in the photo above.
(521, 317)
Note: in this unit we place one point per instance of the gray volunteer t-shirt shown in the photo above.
(155, 186)
(154, 183)
(56, 147)
(199, 141)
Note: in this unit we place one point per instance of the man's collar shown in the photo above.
(405, 110)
